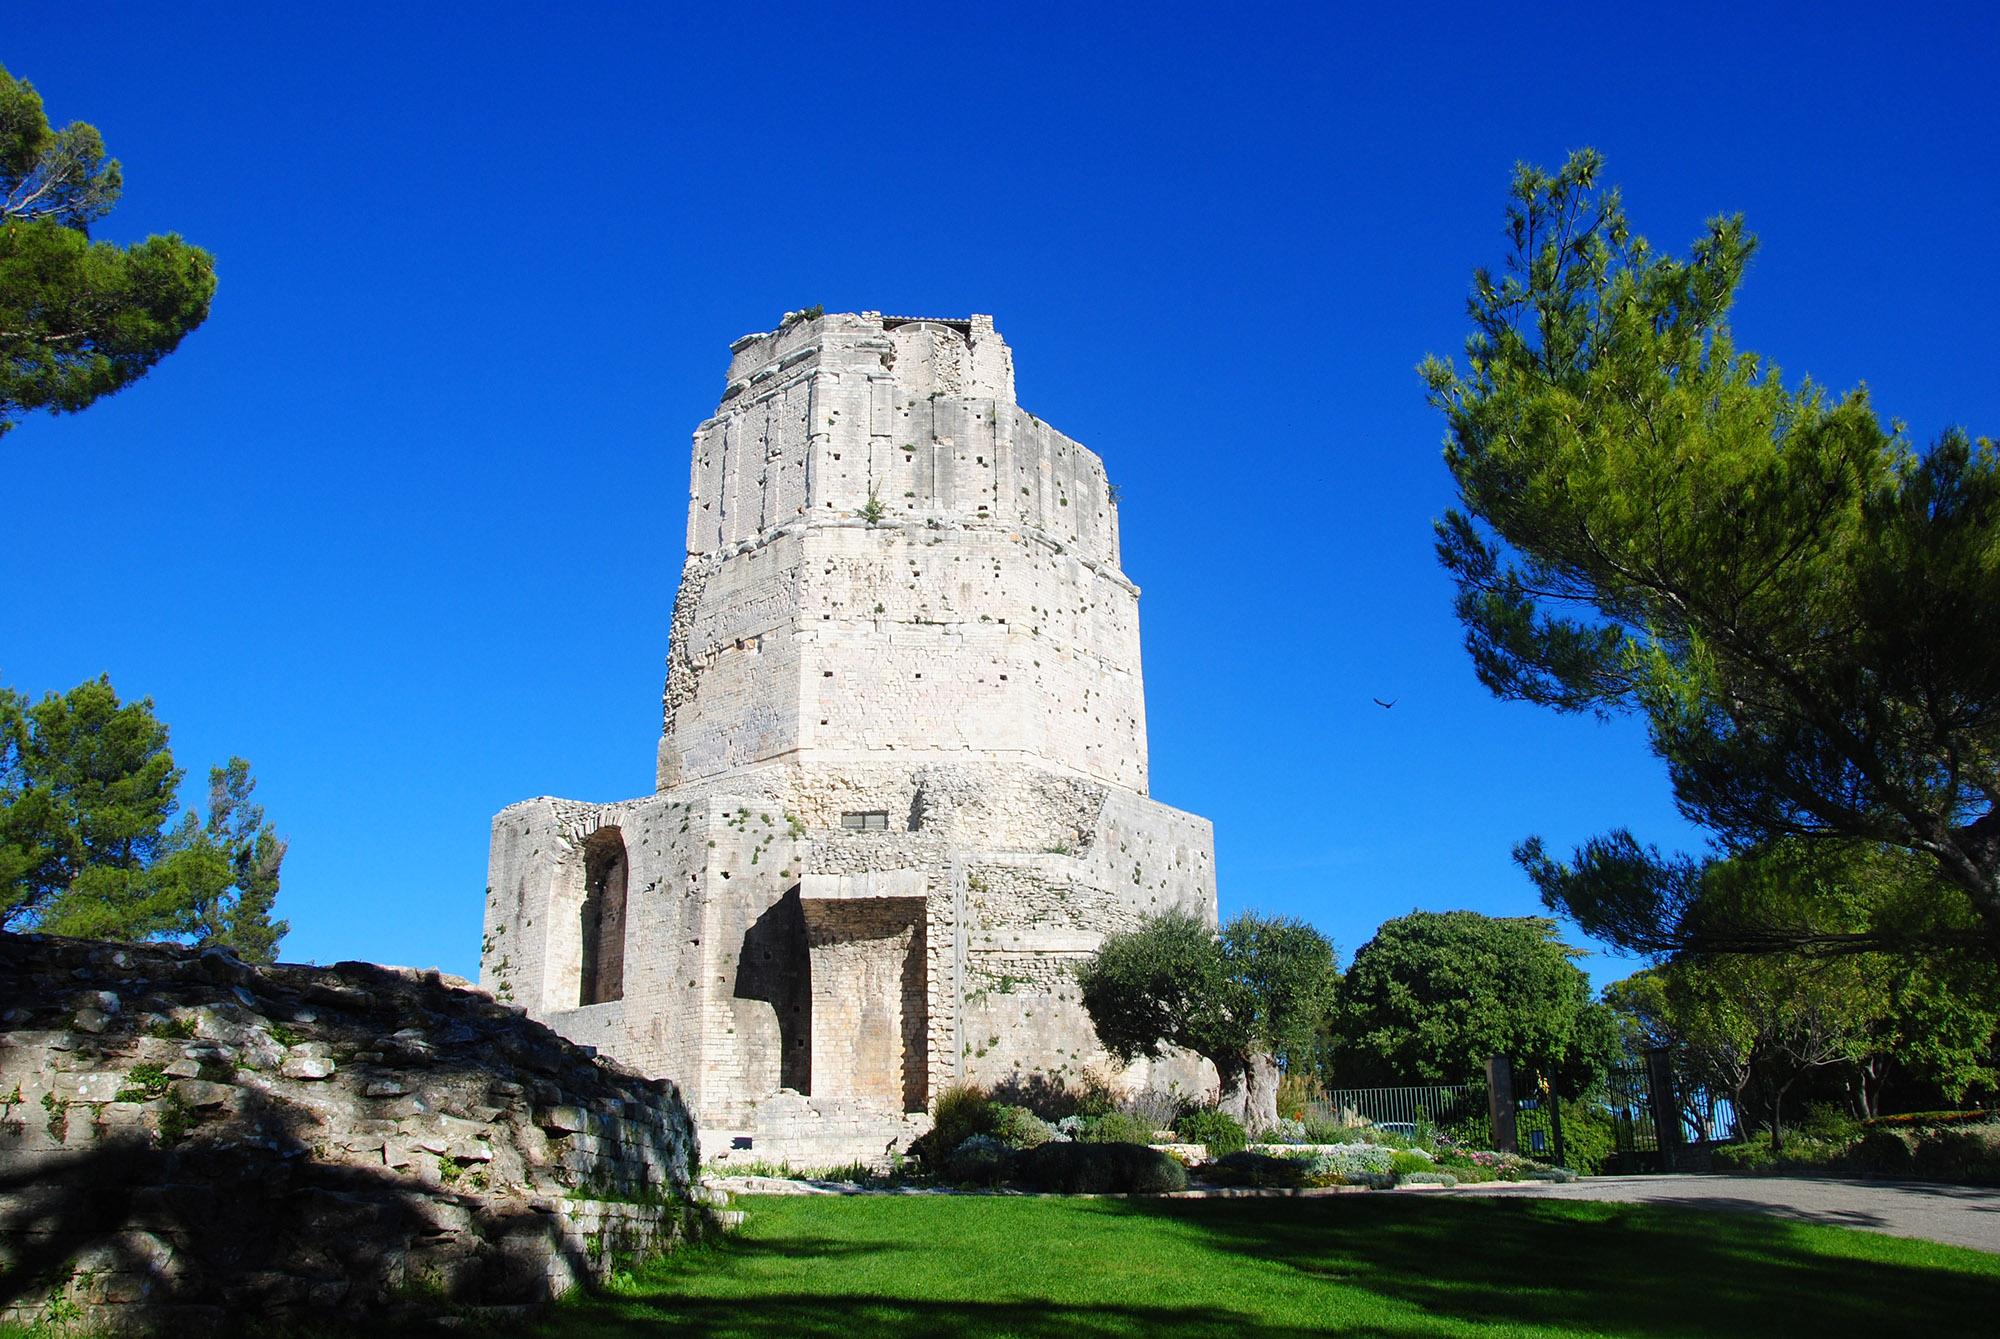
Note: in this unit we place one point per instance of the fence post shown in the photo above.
(1556, 1128)
(1666, 1106)
(1500, 1104)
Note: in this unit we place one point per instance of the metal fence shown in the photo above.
(1457, 1110)
(1640, 1141)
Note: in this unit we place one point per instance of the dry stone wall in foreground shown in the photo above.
(189, 1143)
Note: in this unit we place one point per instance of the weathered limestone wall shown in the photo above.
(902, 606)
(981, 611)
(186, 1142)
(867, 966)
(821, 415)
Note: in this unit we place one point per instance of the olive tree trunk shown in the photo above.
(1249, 1089)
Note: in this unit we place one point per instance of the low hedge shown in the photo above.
(1261, 1170)
(1925, 1119)
(981, 1160)
(1969, 1156)
(1096, 1169)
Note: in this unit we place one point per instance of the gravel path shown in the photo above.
(1956, 1215)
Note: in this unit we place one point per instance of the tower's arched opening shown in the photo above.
(604, 877)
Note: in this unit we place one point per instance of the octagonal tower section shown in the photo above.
(889, 559)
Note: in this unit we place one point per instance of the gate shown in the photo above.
(1641, 1096)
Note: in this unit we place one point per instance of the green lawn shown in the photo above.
(1379, 1265)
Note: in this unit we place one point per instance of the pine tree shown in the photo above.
(78, 319)
(1804, 608)
(87, 789)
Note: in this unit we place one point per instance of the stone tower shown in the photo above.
(902, 774)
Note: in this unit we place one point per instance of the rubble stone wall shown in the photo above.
(187, 1142)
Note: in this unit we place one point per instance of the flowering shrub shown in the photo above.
(1479, 1164)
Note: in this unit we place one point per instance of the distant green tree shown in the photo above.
(1435, 994)
(1248, 999)
(1751, 1026)
(1804, 608)
(78, 319)
(87, 789)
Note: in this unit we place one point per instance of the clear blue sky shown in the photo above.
(401, 524)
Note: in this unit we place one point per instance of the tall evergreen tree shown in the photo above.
(79, 319)
(87, 790)
(1804, 608)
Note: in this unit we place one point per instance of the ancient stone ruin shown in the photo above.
(189, 1144)
(902, 776)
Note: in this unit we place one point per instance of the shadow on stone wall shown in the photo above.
(213, 1239)
(775, 966)
(191, 1143)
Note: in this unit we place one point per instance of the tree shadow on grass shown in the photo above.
(1597, 1267)
(859, 1315)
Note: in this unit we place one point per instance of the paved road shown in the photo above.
(1957, 1215)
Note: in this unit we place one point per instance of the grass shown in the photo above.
(1257, 1269)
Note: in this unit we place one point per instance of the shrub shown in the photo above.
(1350, 1164)
(981, 1161)
(1829, 1123)
(1286, 1131)
(1081, 1169)
(1018, 1127)
(1217, 1129)
(1956, 1155)
(1428, 1179)
(1588, 1141)
(1256, 1169)
(1159, 1108)
(1093, 1095)
(1882, 1152)
(1928, 1119)
(1114, 1127)
(1754, 1156)
(1407, 1160)
(960, 1112)
(1320, 1130)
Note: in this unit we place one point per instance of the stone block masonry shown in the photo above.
(902, 772)
(189, 1144)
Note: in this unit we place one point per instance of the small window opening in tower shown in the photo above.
(872, 820)
(604, 877)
